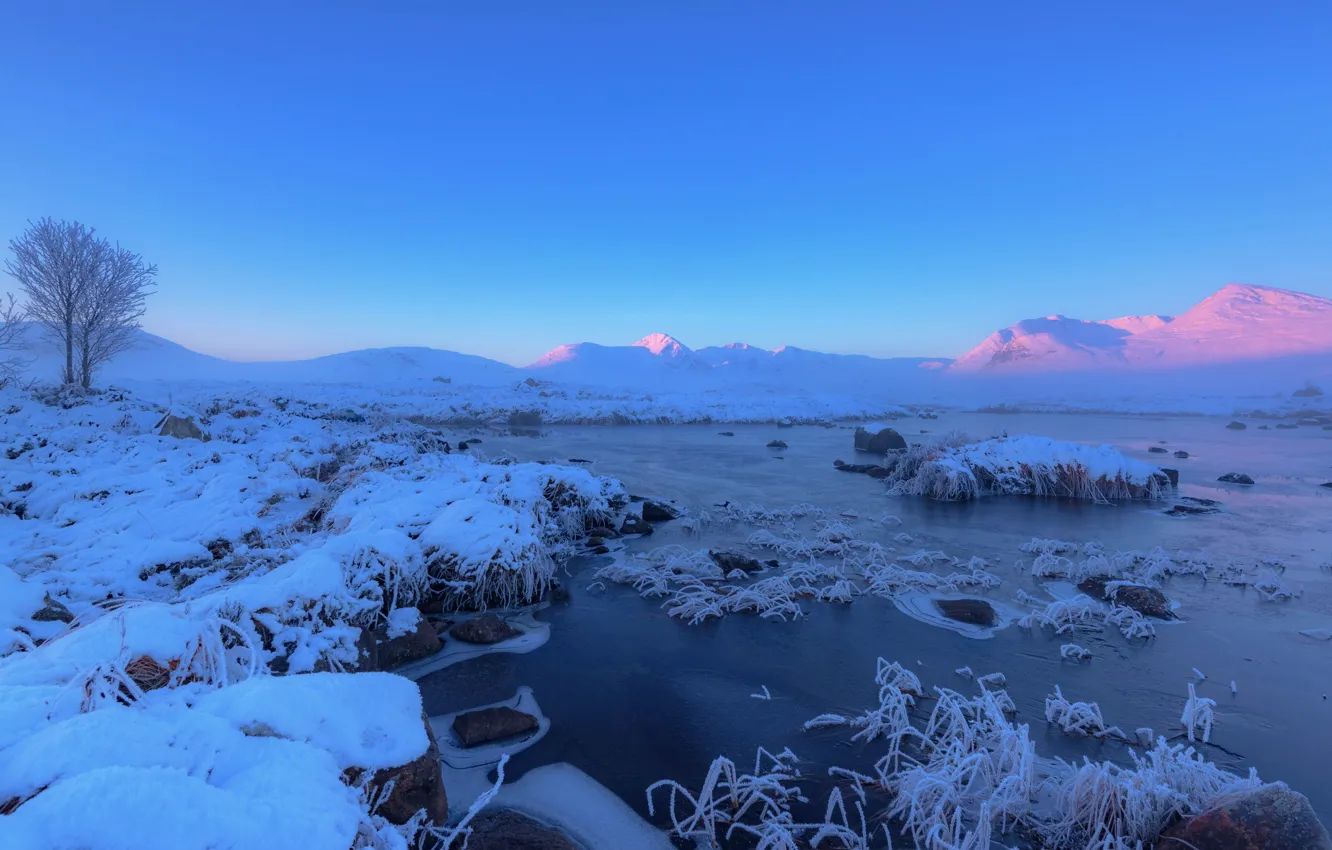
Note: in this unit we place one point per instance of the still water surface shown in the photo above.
(635, 696)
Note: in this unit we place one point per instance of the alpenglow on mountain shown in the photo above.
(1238, 323)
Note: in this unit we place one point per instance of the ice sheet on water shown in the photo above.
(458, 757)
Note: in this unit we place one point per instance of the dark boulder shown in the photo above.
(417, 785)
(880, 471)
(421, 642)
(659, 511)
(492, 724)
(1147, 601)
(1156, 450)
(1327, 484)
(604, 532)
(776, 444)
(485, 629)
(879, 443)
(510, 830)
(1182, 455)
(1172, 475)
(53, 611)
(1237, 426)
(861, 468)
(1235, 478)
(462, 445)
(734, 561)
(1270, 817)
(635, 525)
(1190, 510)
(726, 433)
(601, 550)
(976, 612)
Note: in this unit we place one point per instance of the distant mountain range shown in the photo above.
(1239, 323)
(1239, 329)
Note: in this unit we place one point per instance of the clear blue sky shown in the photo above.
(887, 177)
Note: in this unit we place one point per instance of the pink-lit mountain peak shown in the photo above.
(664, 345)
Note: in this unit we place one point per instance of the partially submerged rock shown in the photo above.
(776, 444)
(485, 629)
(604, 532)
(1156, 450)
(658, 511)
(1147, 601)
(734, 561)
(635, 525)
(1182, 455)
(1287, 426)
(180, 427)
(417, 785)
(510, 830)
(485, 725)
(1237, 426)
(726, 433)
(1270, 817)
(421, 642)
(880, 442)
(976, 612)
(1172, 475)
(1235, 478)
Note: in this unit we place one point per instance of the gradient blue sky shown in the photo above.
(890, 178)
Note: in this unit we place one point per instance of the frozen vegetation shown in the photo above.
(955, 469)
(179, 618)
(956, 773)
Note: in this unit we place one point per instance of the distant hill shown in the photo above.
(1238, 323)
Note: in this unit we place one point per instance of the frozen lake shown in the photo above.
(634, 696)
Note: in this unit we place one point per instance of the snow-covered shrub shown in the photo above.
(1031, 466)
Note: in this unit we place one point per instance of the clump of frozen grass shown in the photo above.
(1197, 716)
(1131, 623)
(1065, 615)
(1273, 589)
(1073, 652)
(953, 470)
(1077, 718)
(1105, 805)
(970, 771)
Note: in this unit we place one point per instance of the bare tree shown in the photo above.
(12, 317)
(55, 264)
(109, 313)
(87, 294)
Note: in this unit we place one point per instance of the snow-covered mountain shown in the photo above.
(662, 360)
(1238, 323)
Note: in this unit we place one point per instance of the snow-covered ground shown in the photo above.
(150, 586)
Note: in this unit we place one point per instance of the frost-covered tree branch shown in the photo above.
(12, 316)
(55, 263)
(109, 314)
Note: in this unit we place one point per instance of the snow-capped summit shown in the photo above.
(1237, 323)
(1053, 342)
(664, 345)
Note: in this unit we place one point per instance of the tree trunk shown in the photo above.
(69, 352)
